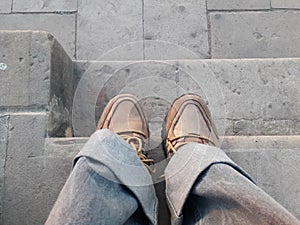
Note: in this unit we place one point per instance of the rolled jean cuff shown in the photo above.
(185, 167)
(109, 149)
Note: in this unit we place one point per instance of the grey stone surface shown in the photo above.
(105, 25)
(24, 180)
(181, 23)
(26, 80)
(61, 26)
(44, 5)
(4, 132)
(163, 50)
(255, 34)
(273, 163)
(290, 4)
(238, 4)
(61, 92)
(238, 91)
(36, 169)
(5, 6)
(39, 76)
(100, 81)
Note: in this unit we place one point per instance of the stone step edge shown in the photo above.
(187, 60)
(229, 143)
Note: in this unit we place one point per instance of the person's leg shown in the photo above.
(88, 197)
(211, 189)
(110, 183)
(221, 195)
(203, 186)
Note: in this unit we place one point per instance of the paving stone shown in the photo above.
(160, 50)
(107, 27)
(61, 26)
(255, 34)
(273, 163)
(4, 130)
(5, 6)
(290, 4)
(44, 5)
(175, 23)
(237, 4)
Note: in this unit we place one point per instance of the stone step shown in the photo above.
(46, 95)
(34, 167)
(246, 96)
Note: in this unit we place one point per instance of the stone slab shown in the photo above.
(238, 92)
(237, 4)
(106, 28)
(25, 81)
(273, 163)
(36, 169)
(245, 87)
(38, 77)
(5, 6)
(44, 5)
(4, 132)
(23, 175)
(61, 26)
(285, 4)
(175, 29)
(255, 34)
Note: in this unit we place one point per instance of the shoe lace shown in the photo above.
(136, 140)
(174, 141)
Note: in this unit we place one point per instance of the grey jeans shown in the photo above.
(110, 185)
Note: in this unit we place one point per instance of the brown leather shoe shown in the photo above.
(124, 116)
(189, 120)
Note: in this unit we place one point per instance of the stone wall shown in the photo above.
(174, 29)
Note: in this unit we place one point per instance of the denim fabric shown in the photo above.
(110, 185)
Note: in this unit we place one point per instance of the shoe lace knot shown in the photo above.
(136, 139)
(174, 143)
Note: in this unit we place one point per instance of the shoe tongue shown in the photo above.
(191, 122)
(126, 117)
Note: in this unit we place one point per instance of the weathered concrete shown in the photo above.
(38, 77)
(238, 91)
(44, 5)
(4, 131)
(105, 25)
(5, 6)
(61, 26)
(238, 4)
(181, 23)
(285, 4)
(255, 34)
